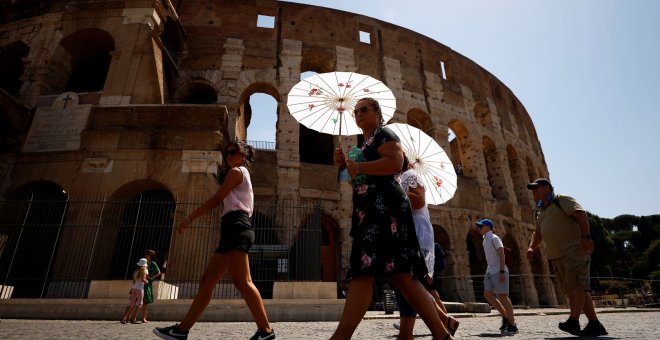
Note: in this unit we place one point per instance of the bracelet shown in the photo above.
(502, 271)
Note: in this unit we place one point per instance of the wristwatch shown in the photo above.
(587, 236)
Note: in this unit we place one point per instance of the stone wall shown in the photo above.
(136, 132)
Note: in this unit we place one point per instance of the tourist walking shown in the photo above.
(137, 293)
(563, 227)
(384, 239)
(496, 279)
(231, 256)
(153, 275)
(424, 230)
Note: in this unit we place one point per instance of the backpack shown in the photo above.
(440, 262)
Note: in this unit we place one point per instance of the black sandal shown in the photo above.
(451, 330)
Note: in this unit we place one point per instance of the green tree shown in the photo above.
(604, 255)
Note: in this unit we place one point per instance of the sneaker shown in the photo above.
(511, 330)
(263, 335)
(171, 333)
(571, 326)
(505, 324)
(594, 328)
(396, 325)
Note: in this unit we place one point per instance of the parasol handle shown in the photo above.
(341, 115)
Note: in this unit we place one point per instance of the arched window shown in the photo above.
(11, 59)
(89, 53)
(33, 224)
(145, 223)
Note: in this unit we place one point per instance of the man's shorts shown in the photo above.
(236, 232)
(572, 270)
(493, 284)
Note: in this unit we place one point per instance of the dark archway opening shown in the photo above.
(145, 223)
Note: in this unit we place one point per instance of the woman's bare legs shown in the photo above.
(216, 268)
(420, 299)
(357, 303)
(239, 270)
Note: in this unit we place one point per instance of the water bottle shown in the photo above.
(356, 154)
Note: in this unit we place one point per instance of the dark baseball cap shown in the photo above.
(485, 222)
(538, 182)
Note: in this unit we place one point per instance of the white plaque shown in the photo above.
(58, 128)
(200, 161)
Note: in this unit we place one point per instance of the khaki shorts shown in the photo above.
(572, 270)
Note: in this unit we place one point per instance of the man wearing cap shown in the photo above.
(497, 277)
(563, 226)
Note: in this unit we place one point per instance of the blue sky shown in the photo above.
(585, 70)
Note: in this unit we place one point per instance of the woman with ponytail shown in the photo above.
(231, 256)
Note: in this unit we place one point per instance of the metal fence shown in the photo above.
(605, 291)
(53, 245)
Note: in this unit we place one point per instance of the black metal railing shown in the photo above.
(53, 246)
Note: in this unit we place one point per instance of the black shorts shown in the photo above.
(236, 232)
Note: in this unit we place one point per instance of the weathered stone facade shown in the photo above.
(146, 130)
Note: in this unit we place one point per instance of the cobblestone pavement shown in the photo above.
(623, 324)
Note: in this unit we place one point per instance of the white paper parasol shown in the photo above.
(324, 102)
(434, 168)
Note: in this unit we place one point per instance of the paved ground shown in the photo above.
(630, 323)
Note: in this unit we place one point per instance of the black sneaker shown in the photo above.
(511, 330)
(396, 325)
(263, 335)
(571, 326)
(594, 328)
(171, 333)
(505, 325)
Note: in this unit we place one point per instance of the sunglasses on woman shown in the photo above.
(363, 109)
(233, 151)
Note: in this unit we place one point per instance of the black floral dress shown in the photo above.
(383, 232)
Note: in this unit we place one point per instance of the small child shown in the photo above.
(137, 292)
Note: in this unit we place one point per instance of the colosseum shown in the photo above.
(113, 114)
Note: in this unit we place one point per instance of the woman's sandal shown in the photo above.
(452, 330)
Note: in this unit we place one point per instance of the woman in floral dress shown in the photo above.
(383, 232)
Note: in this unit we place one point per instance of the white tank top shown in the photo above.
(241, 197)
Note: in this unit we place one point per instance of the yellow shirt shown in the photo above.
(559, 230)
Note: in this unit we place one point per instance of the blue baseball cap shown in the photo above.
(485, 222)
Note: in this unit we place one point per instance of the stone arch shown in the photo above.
(138, 216)
(516, 281)
(447, 287)
(197, 91)
(544, 292)
(421, 120)
(330, 248)
(531, 172)
(517, 175)
(477, 262)
(315, 147)
(315, 251)
(11, 59)
(245, 109)
(494, 169)
(460, 153)
(82, 60)
(35, 219)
